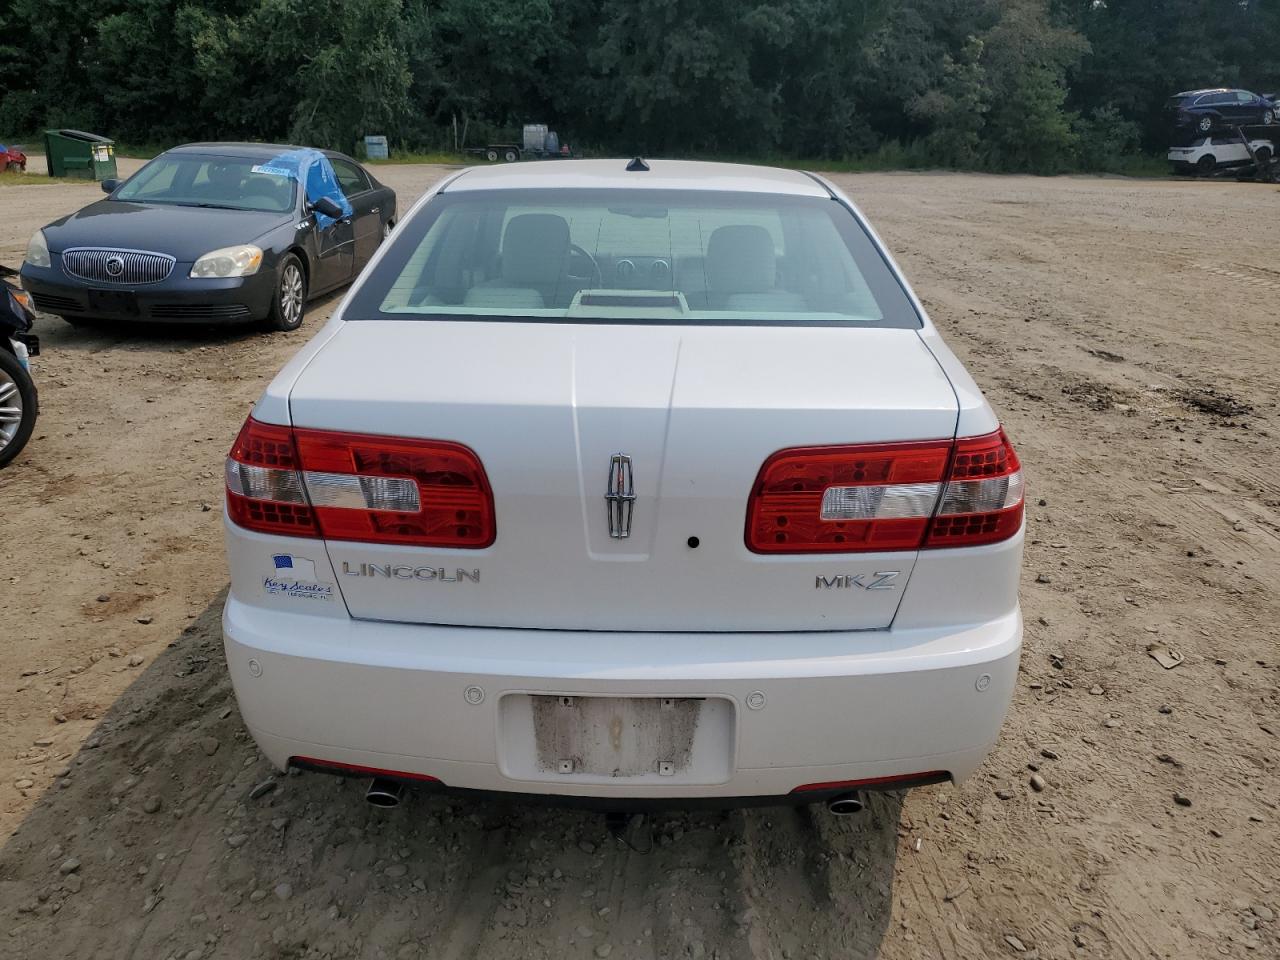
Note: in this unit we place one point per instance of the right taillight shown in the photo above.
(982, 500)
(344, 486)
(862, 498)
(846, 499)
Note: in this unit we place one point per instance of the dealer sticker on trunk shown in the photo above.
(296, 577)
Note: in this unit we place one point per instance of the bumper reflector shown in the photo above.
(897, 782)
(357, 770)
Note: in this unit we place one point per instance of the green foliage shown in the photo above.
(1028, 85)
(956, 107)
(1107, 141)
(662, 63)
(356, 78)
(1026, 58)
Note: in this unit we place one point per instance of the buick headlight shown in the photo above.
(241, 261)
(38, 250)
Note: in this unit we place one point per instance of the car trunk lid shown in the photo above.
(549, 407)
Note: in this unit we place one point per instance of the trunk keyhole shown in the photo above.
(693, 543)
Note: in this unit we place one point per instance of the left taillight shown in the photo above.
(264, 482)
(427, 493)
(346, 486)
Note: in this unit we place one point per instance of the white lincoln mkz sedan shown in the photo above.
(627, 482)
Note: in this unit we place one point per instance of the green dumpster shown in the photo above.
(74, 153)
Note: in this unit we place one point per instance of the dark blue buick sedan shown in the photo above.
(213, 232)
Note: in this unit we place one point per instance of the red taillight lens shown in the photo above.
(983, 500)
(264, 488)
(342, 486)
(429, 493)
(888, 496)
(846, 499)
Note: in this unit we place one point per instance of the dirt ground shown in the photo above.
(1125, 331)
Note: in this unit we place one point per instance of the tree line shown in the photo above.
(1030, 85)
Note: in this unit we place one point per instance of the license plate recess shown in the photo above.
(663, 740)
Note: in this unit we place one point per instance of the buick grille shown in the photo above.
(131, 267)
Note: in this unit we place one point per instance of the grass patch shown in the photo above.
(33, 145)
(1138, 165)
(894, 157)
(141, 151)
(1141, 165)
(889, 158)
(443, 157)
(16, 178)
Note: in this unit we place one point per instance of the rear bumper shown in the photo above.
(796, 709)
(178, 299)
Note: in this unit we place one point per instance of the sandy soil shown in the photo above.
(1125, 331)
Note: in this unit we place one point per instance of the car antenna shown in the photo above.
(637, 166)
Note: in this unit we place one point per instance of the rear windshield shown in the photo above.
(634, 256)
(194, 180)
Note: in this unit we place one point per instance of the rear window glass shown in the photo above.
(634, 256)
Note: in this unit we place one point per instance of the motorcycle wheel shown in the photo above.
(18, 406)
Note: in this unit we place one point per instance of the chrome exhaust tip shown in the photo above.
(385, 793)
(845, 805)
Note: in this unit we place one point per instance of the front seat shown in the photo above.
(273, 193)
(742, 272)
(223, 184)
(534, 249)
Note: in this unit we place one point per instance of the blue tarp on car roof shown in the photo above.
(312, 169)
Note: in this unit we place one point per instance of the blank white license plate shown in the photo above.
(658, 739)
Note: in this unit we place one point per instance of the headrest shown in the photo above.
(534, 246)
(273, 188)
(740, 260)
(225, 174)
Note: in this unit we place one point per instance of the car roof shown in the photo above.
(1196, 93)
(253, 151)
(661, 175)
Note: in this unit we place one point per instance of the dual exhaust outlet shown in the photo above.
(388, 794)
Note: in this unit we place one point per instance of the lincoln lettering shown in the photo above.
(394, 571)
(880, 580)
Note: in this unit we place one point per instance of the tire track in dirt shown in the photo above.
(1244, 273)
(473, 902)
(634, 892)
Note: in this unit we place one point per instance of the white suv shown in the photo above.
(633, 482)
(1211, 153)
